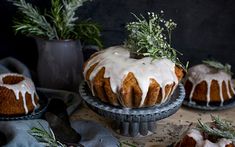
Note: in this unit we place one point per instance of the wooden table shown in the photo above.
(168, 131)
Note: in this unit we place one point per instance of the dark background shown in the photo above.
(205, 28)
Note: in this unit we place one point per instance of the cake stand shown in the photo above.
(133, 122)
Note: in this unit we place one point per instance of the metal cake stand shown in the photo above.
(138, 121)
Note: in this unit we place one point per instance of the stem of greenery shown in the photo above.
(152, 37)
(217, 65)
(45, 138)
(221, 128)
(32, 22)
(59, 23)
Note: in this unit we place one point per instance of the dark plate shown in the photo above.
(43, 101)
(212, 107)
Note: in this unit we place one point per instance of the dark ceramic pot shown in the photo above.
(59, 64)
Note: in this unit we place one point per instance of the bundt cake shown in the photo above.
(207, 85)
(116, 78)
(17, 95)
(195, 138)
(218, 133)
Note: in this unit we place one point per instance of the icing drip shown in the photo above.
(200, 142)
(232, 86)
(26, 85)
(191, 93)
(208, 95)
(229, 95)
(202, 72)
(221, 94)
(118, 64)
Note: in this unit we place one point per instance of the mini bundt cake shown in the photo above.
(17, 95)
(116, 78)
(195, 138)
(207, 85)
(218, 133)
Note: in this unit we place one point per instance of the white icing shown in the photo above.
(202, 72)
(200, 142)
(23, 86)
(227, 83)
(118, 64)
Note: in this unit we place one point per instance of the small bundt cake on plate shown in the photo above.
(219, 133)
(207, 84)
(18, 96)
(116, 78)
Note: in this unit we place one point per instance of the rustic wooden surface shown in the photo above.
(168, 131)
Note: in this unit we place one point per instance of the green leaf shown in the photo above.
(148, 37)
(218, 65)
(45, 138)
(60, 22)
(220, 128)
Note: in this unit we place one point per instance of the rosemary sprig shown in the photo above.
(126, 144)
(222, 124)
(45, 138)
(32, 22)
(90, 32)
(217, 65)
(69, 18)
(60, 22)
(152, 37)
(219, 128)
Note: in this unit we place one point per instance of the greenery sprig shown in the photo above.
(45, 138)
(152, 37)
(218, 128)
(32, 22)
(126, 144)
(217, 65)
(60, 22)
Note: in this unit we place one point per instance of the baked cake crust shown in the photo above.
(208, 85)
(194, 138)
(122, 81)
(17, 95)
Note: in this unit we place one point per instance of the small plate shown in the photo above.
(43, 101)
(226, 105)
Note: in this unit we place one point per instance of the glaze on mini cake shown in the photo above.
(17, 95)
(207, 84)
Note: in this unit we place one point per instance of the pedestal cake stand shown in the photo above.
(133, 122)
